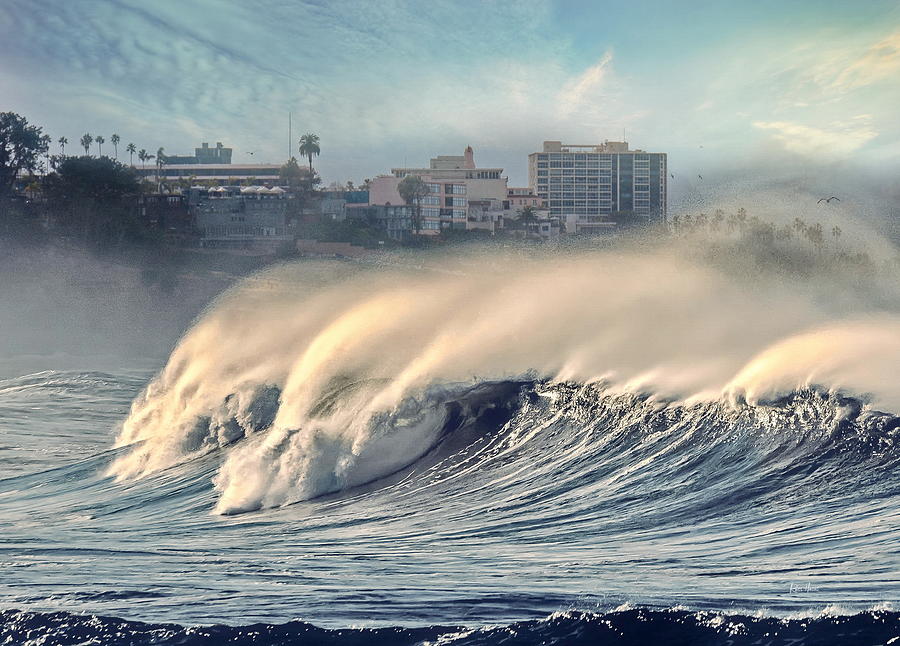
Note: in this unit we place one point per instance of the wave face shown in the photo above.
(588, 448)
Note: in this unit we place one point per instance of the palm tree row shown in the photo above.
(753, 227)
(87, 139)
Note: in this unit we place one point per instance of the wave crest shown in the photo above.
(353, 372)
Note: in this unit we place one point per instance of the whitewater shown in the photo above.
(670, 443)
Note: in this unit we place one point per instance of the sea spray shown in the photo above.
(641, 320)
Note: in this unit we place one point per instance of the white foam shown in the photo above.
(352, 351)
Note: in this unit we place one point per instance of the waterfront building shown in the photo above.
(220, 174)
(338, 204)
(520, 197)
(241, 217)
(395, 219)
(171, 213)
(593, 186)
(453, 181)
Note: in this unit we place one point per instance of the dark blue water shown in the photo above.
(561, 513)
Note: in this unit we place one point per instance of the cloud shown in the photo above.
(577, 93)
(881, 61)
(841, 137)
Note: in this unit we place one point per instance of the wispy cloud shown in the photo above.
(394, 80)
(880, 62)
(585, 87)
(837, 139)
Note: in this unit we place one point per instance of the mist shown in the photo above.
(686, 320)
(64, 307)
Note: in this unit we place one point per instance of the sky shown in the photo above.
(719, 86)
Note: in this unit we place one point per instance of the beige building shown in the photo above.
(453, 181)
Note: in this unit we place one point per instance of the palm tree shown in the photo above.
(413, 190)
(144, 157)
(100, 141)
(309, 146)
(160, 161)
(45, 146)
(131, 148)
(62, 141)
(115, 139)
(86, 141)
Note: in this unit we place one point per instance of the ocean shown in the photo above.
(591, 448)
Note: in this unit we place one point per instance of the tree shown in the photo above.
(131, 148)
(160, 162)
(100, 141)
(144, 157)
(21, 145)
(292, 176)
(86, 141)
(815, 235)
(92, 195)
(527, 214)
(101, 179)
(309, 146)
(62, 141)
(115, 139)
(413, 190)
(45, 144)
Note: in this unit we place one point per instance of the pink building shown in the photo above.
(453, 180)
(519, 198)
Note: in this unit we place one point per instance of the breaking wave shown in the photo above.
(312, 379)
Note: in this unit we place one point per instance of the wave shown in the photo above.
(623, 626)
(321, 378)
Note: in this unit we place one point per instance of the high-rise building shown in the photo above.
(596, 185)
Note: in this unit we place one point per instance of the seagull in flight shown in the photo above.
(700, 176)
(828, 200)
(673, 175)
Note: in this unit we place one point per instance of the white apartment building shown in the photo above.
(588, 185)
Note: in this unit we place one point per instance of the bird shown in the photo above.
(700, 176)
(828, 200)
(251, 153)
(673, 175)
